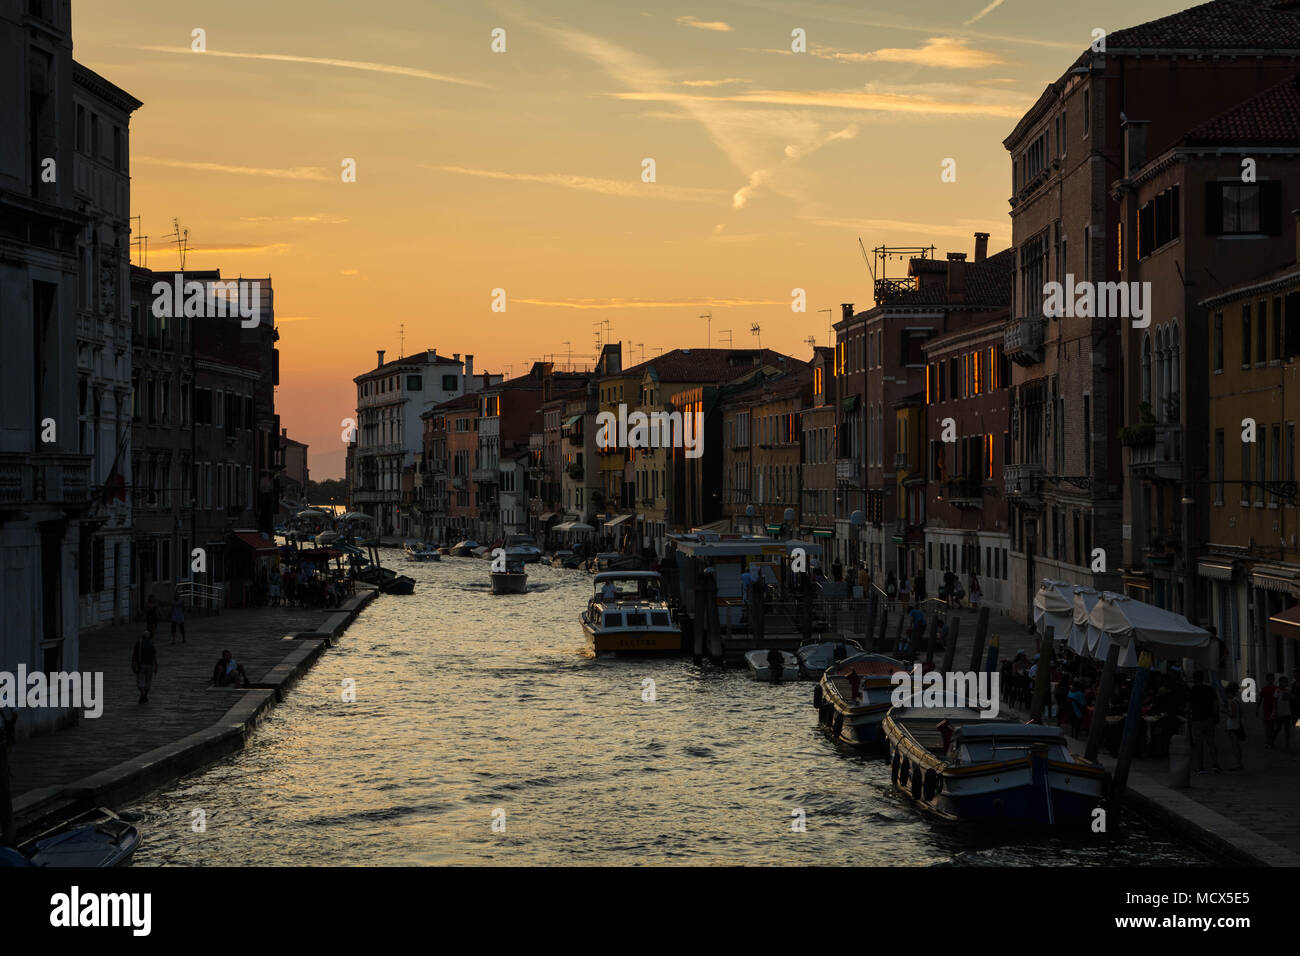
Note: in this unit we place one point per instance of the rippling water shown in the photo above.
(471, 707)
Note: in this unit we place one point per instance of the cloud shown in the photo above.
(949, 53)
(1000, 232)
(610, 187)
(983, 13)
(741, 197)
(717, 25)
(351, 272)
(274, 248)
(848, 100)
(321, 218)
(293, 318)
(621, 303)
(321, 61)
(313, 173)
(728, 81)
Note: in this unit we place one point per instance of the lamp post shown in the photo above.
(856, 521)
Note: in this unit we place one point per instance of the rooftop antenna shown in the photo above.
(641, 346)
(569, 364)
(812, 342)
(401, 340)
(830, 320)
(727, 333)
(709, 327)
(757, 332)
(182, 239)
(141, 242)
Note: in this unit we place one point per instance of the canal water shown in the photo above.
(480, 733)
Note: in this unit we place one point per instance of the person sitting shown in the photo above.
(228, 673)
(609, 592)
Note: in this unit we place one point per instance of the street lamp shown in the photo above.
(856, 521)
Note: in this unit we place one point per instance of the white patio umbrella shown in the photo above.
(1164, 633)
(1084, 638)
(1054, 607)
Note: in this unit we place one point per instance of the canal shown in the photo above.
(481, 734)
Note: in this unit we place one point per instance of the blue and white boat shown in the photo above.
(963, 767)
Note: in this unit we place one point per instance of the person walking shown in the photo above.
(918, 587)
(1283, 712)
(178, 619)
(1236, 731)
(144, 661)
(1203, 709)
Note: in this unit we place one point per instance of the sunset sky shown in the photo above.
(522, 170)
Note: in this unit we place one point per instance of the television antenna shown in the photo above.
(757, 332)
(182, 239)
(727, 333)
(141, 242)
(708, 342)
(569, 364)
(401, 340)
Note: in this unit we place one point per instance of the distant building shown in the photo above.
(295, 475)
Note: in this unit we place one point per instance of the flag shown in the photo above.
(115, 483)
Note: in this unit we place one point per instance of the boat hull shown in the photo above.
(509, 583)
(648, 642)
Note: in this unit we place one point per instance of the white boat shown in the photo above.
(520, 548)
(629, 617)
(465, 549)
(816, 656)
(761, 669)
(421, 552)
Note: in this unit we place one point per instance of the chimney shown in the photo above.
(981, 246)
(957, 276)
(284, 433)
(455, 356)
(1135, 145)
(469, 366)
(433, 356)
(846, 310)
(381, 357)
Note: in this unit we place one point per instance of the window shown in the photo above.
(1245, 335)
(1243, 209)
(1245, 474)
(1218, 466)
(1275, 463)
(415, 383)
(1261, 334)
(1158, 222)
(1218, 340)
(1261, 465)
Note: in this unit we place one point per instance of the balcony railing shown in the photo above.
(1022, 340)
(51, 479)
(1162, 458)
(965, 492)
(484, 475)
(1022, 480)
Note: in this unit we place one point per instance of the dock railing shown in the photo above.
(206, 597)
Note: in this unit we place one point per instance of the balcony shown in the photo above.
(44, 479)
(846, 469)
(576, 470)
(484, 476)
(1022, 340)
(1023, 483)
(1161, 459)
(965, 493)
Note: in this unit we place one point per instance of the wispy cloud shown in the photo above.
(621, 303)
(985, 12)
(293, 318)
(949, 53)
(321, 218)
(632, 187)
(322, 61)
(717, 25)
(274, 248)
(726, 82)
(847, 100)
(313, 173)
(964, 228)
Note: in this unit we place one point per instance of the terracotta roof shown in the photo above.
(1218, 25)
(988, 284)
(1272, 118)
(709, 365)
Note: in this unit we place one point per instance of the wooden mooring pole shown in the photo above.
(1101, 706)
(1128, 744)
(1043, 679)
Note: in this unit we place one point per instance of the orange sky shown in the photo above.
(522, 170)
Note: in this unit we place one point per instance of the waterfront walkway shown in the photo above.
(1256, 811)
(182, 702)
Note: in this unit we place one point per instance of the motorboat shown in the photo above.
(613, 561)
(565, 559)
(104, 839)
(464, 549)
(628, 616)
(955, 763)
(853, 696)
(817, 655)
(760, 667)
(521, 548)
(421, 552)
(513, 580)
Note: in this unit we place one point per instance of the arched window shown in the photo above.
(1146, 368)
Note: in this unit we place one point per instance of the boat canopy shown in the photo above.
(984, 729)
(573, 526)
(617, 520)
(356, 516)
(1164, 633)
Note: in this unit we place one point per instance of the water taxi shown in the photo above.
(853, 696)
(628, 616)
(962, 767)
(513, 580)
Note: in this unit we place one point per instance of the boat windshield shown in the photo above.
(642, 589)
(994, 749)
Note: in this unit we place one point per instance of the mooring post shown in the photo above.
(869, 635)
(711, 617)
(806, 610)
(8, 831)
(991, 663)
(759, 624)
(950, 646)
(981, 630)
(1101, 706)
(1043, 679)
(878, 642)
(1128, 744)
(697, 622)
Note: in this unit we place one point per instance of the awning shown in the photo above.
(1273, 577)
(774, 529)
(1054, 607)
(256, 541)
(1287, 623)
(823, 533)
(616, 521)
(546, 517)
(1214, 570)
(570, 421)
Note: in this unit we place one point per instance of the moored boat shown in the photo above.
(464, 549)
(962, 767)
(760, 666)
(421, 552)
(521, 548)
(628, 616)
(817, 655)
(853, 696)
(107, 840)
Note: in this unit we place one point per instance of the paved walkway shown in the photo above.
(180, 703)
